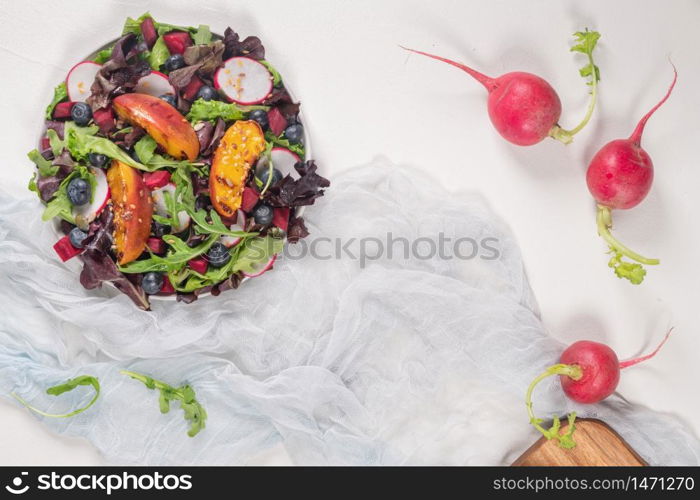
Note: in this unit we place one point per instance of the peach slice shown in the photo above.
(238, 150)
(132, 206)
(162, 121)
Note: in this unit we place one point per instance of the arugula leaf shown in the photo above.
(67, 386)
(202, 110)
(145, 148)
(176, 257)
(45, 167)
(59, 94)
(216, 226)
(202, 36)
(194, 411)
(158, 54)
(283, 142)
(276, 77)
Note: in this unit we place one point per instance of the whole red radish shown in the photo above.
(619, 177)
(523, 107)
(589, 372)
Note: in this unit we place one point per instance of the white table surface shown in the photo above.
(366, 97)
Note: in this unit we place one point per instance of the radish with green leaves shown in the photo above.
(523, 107)
(589, 372)
(619, 177)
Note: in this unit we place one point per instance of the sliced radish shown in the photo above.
(85, 214)
(161, 208)
(244, 80)
(262, 268)
(282, 159)
(79, 80)
(231, 241)
(155, 83)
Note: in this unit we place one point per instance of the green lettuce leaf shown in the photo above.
(158, 54)
(202, 110)
(45, 167)
(59, 94)
(202, 36)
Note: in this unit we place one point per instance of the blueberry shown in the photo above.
(260, 116)
(159, 230)
(174, 62)
(207, 93)
(77, 236)
(276, 176)
(81, 113)
(218, 255)
(295, 133)
(263, 214)
(152, 283)
(170, 99)
(78, 191)
(98, 160)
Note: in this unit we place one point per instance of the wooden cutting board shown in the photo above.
(596, 444)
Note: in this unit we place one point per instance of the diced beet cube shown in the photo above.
(104, 118)
(249, 199)
(157, 179)
(190, 91)
(167, 287)
(277, 122)
(62, 110)
(156, 245)
(280, 217)
(148, 30)
(198, 264)
(65, 249)
(177, 41)
(45, 144)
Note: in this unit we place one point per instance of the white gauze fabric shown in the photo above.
(399, 361)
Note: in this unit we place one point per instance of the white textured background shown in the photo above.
(363, 96)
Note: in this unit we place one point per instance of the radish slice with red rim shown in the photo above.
(155, 83)
(79, 80)
(239, 225)
(262, 269)
(244, 80)
(85, 214)
(161, 208)
(282, 159)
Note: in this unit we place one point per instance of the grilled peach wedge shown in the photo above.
(161, 121)
(132, 206)
(239, 149)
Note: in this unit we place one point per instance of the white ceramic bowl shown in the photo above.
(76, 266)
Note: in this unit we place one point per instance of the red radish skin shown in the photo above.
(588, 372)
(620, 174)
(523, 107)
(619, 177)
